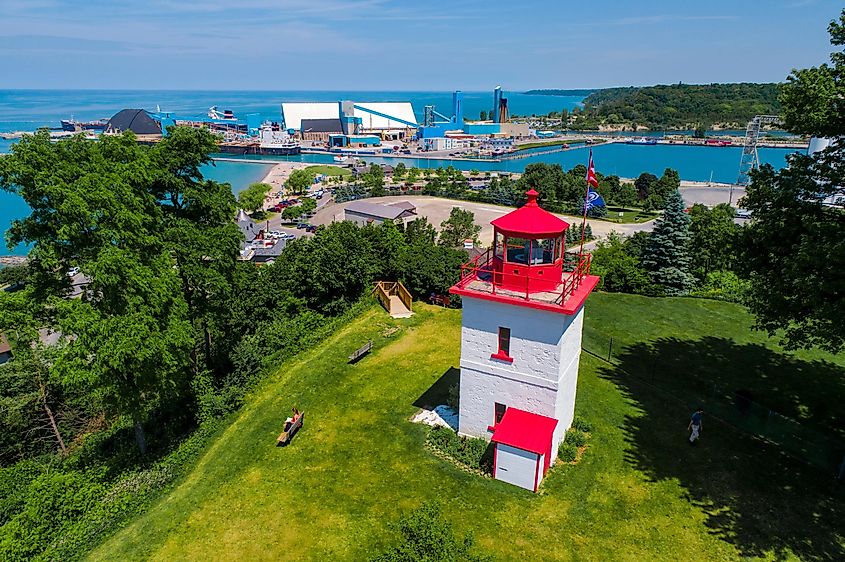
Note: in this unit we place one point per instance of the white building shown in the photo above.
(521, 342)
(377, 119)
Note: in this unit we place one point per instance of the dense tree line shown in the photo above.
(167, 330)
(692, 253)
(561, 191)
(677, 106)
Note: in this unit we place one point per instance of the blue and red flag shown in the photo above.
(593, 198)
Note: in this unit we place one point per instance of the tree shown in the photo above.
(132, 334)
(374, 180)
(666, 256)
(792, 248)
(308, 204)
(700, 131)
(482, 115)
(198, 231)
(252, 198)
(420, 230)
(31, 397)
(713, 238)
(627, 194)
(620, 272)
(292, 213)
(299, 181)
(426, 536)
(413, 174)
(458, 227)
(644, 184)
(399, 171)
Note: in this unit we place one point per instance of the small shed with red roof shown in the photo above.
(523, 452)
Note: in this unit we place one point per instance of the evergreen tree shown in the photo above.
(666, 257)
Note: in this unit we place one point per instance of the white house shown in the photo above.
(521, 342)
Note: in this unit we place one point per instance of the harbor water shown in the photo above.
(29, 109)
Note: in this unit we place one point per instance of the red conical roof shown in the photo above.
(531, 221)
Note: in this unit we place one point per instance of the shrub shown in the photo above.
(576, 437)
(582, 425)
(426, 535)
(567, 452)
(465, 450)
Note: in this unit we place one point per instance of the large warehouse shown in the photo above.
(387, 119)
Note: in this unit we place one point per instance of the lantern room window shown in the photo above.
(519, 249)
(546, 251)
(500, 245)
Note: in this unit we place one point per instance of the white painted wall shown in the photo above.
(545, 347)
(518, 467)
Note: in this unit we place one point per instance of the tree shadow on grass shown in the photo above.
(754, 495)
(438, 393)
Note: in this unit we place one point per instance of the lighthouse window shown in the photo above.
(499, 412)
(544, 251)
(500, 245)
(504, 341)
(518, 250)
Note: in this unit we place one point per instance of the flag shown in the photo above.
(591, 172)
(593, 199)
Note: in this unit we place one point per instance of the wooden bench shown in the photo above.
(361, 351)
(286, 436)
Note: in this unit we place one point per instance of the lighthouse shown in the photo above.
(521, 341)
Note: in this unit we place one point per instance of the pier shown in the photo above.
(12, 260)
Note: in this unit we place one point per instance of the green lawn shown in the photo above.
(629, 215)
(327, 170)
(640, 492)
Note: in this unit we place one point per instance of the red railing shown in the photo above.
(482, 268)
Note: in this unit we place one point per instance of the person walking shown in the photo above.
(694, 426)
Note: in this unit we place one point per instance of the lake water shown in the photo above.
(625, 160)
(30, 109)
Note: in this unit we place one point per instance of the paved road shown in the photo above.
(437, 210)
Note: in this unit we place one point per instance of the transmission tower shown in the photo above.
(750, 160)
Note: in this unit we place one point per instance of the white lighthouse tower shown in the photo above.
(521, 342)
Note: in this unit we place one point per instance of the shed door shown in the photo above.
(516, 466)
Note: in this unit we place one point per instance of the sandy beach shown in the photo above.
(277, 176)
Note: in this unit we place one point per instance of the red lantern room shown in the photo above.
(526, 263)
(528, 248)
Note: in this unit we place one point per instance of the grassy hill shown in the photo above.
(639, 493)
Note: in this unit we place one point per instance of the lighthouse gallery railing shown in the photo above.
(482, 268)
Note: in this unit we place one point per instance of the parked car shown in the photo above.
(287, 236)
(743, 214)
(302, 225)
(73, 272)
(310, 228)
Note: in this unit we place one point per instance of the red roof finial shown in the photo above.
(532, 198)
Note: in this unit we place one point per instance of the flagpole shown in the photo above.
(584, 221)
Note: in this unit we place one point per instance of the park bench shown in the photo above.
(286, 436)
(361, 351)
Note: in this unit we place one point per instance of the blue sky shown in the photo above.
(405, 45)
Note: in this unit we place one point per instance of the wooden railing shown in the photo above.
(385, 289)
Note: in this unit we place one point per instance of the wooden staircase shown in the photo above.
(395, 298)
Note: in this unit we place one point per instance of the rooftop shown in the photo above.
(392, 211)
(526, 431)
(531, 220)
